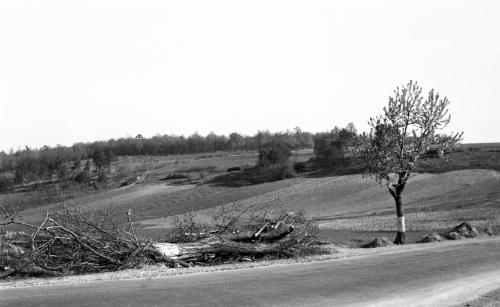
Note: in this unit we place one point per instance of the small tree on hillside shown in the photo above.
(275, 152)
(401, 136)
(274, 161)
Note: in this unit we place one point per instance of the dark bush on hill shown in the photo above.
(300, 167)
(193, 169)
(274, 152)
(255, 175)
(5, 183)
(276, 172)
(273, 165)
(82, 177)
(174, 176)
(338, 167)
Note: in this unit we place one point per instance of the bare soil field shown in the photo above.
(354, 203)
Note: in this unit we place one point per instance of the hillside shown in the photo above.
(348, 203)
(432, 201)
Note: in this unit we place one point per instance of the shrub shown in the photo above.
(275, 172)
(5, 183)
(204, 174)
(300, 167)
(82, 177)
(234, 169)
(193, 169)
(256, 175)
(274, 152)
(186, 229)
(102, 177)
(174, 176)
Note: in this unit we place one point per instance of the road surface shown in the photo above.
(446, 274)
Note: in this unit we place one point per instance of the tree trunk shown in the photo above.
(198, 250)
(246, 243)
(401, 230)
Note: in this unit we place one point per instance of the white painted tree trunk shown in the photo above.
(401, 224)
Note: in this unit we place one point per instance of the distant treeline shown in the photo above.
(88, 160)
(55, 163)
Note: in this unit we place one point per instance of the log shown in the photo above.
(197, 251)
(244, 243)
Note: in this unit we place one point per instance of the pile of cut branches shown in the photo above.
(240, 232)
(218, 245)
(72, 242)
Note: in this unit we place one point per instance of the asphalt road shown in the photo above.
(438, 276)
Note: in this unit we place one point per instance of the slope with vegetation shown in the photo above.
(79, 201)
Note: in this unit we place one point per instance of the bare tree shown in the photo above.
(399, 138)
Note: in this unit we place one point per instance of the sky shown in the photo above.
(88, 70)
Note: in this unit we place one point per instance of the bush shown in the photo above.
(193, 169)
(174, 176)
(275, 172)
(204, 174)
(186, 229)
(273, 165)
(5, 183)
(274, 152)
(102, 177)
(82, 177)
(234, 169)
(256, 175)
(300, 167)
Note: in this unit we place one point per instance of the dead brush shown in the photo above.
(71, 242)
(187, 229)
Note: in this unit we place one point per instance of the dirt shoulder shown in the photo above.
(159, 271)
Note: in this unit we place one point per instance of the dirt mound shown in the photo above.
(378, 242)
(464, 230)
(432, 237)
